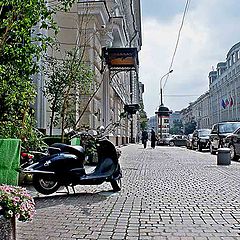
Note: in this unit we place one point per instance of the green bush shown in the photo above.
(54, 139)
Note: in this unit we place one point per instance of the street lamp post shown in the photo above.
(162, 110)
(161, 89)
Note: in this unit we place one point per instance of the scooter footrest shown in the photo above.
(78, 171)
(92, 177)
(92, 180)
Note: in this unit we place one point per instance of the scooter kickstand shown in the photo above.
(67, 190)
(73, 189)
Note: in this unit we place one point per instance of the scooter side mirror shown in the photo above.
(101, 129)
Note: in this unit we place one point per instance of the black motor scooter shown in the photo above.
(64, 166)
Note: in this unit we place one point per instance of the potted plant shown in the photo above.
(15, 203)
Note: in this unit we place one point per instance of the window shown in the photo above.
(237, 55)
(215, 128)
(233, 58)
(229, 62)
(204, 133)
(228, 127)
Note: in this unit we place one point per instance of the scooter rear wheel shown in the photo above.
(116, 185)
(45, 184)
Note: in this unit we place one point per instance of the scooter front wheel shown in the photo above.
(45, 184)
(116, 184)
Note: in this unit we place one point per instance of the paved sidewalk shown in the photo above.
(168, 193)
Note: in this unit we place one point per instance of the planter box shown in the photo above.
(9, 161)
(75, 141)
(7, 228)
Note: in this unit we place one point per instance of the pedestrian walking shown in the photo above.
(144, 138)
(153, 138)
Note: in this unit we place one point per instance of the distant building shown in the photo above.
(224, 88)
(222, 101)
(174, 117)
(152, 123)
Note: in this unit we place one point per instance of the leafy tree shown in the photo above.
(190, 127)
(143, 117)
(21, 46)
(177, 127)
(70, 85)
(68, 80)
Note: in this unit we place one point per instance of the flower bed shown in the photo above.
(16, 202)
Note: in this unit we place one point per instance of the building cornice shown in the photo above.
(233, 48)
(118, 24)
(96, 8)
(138, 22)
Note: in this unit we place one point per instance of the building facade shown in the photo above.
(92, 26)
(198, 112)
(224, 88)
(153, 123)
(174, 117)
(222, 101)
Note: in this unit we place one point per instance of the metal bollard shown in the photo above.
(223, 157)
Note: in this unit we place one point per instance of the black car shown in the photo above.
(200, 139)
(232, 141)
(178, 140)
(219, 132)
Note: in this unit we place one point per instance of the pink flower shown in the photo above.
(16, 201)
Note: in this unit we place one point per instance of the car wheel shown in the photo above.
(193, 146)
(212, 151)
(232, 152)
(171, 144)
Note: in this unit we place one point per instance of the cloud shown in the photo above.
(162, 10)
(211, 28)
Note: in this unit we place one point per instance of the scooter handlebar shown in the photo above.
(95, 134)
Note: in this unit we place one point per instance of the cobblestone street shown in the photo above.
(167, 193)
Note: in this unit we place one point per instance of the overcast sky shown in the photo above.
(210, 29)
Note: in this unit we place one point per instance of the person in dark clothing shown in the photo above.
(144, 138)
(153, 138)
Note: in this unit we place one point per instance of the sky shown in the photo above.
(211, 28)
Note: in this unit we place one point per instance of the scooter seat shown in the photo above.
(76, 150)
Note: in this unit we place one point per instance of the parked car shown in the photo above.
(219, 132)
(189, 141)
(164, 140)
(232, 141)
(200, 139)
(167, 139)
(178, 140)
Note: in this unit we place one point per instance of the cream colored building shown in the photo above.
(95, 25)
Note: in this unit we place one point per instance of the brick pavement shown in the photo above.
(168, 193)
